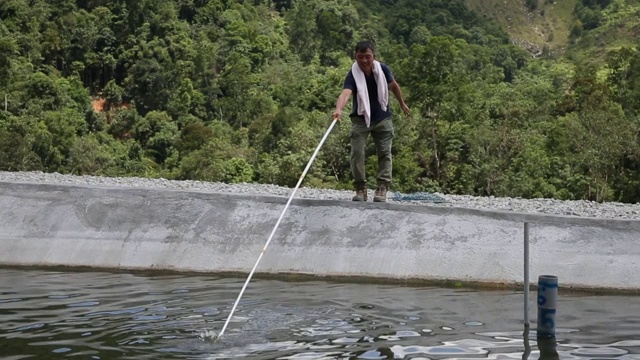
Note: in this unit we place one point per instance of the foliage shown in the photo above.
(241, 91)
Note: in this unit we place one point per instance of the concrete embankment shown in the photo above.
(134, 228)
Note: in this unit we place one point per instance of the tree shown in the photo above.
(432, 71)
(322, 29)
(88, 157)
(157, 134)
(16, 153)
(8, 51)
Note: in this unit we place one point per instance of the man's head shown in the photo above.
(365, 55)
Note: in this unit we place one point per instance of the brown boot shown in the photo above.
(361, 194)
(381, 193)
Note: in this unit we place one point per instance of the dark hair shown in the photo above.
(362, 46)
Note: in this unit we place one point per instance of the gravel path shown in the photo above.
(546, 206)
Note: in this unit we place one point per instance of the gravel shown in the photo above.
(609, 210)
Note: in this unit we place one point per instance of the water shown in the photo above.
(99, 315)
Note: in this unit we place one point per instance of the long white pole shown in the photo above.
(264, 249)
(526, 274)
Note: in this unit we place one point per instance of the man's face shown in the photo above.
(365, 60)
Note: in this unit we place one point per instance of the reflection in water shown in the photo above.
(91, 315)
(546, 346)
(548, 349)
(527, 344)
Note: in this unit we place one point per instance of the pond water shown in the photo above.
(49, 314)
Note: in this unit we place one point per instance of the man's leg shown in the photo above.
(358, 136)
(383, 134)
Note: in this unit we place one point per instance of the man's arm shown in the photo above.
(342, 101)
(395, 89)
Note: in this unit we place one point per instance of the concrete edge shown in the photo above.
(465, 282)
(625, 224)
(350, 279)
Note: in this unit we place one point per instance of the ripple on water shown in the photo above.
(399, 335)
(372, 355)
(5, 301)
(64, 296)
(110, 313)
(30, 327)
(474, 323)
(459, 347)
(176, 317)
(601, 351)
(84, 304)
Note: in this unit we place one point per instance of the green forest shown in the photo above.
(242, 91)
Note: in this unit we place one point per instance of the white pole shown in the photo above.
(5, 102)
(275, 227)
(526, 274)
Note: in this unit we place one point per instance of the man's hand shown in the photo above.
(337, 115)
(395, 89)
(405, 109)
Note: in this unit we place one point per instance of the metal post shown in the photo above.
(526, 274)
(5, 102)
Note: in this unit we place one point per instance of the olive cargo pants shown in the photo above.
(382, 133)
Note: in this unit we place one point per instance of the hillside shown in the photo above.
(619, 27)
(567, 26)
(549, 24)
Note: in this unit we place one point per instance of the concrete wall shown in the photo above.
(43, 224)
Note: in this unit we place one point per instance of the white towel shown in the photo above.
(363, 94)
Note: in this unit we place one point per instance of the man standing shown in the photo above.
(369, 81)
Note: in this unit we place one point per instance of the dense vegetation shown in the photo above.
(242, 91)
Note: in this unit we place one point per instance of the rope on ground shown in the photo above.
(418, 196)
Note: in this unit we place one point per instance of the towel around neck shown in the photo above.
(364, 107)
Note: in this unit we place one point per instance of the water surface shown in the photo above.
(100, 315)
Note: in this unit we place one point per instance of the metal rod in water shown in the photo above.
(526, 274)
(527, 343)
(264, 249)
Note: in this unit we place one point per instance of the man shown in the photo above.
(369, 81)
